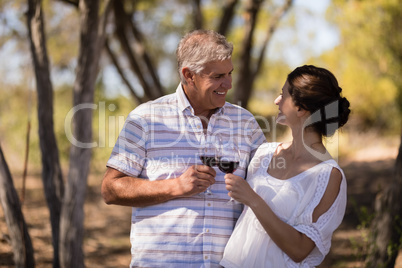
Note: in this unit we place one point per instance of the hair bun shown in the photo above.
(336, 113)
(344, 111)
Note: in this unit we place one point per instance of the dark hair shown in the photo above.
(316, 90)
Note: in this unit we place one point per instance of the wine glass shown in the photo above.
(209, 156)
(229, 158)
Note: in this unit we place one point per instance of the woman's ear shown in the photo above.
(300, 111)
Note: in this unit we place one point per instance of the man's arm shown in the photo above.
(120, 189)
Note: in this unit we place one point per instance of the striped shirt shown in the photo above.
(160, 140)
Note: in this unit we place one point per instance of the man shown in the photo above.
(155, 166)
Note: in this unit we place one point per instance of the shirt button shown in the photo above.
(209, 204)
(207, 230)
(206, 257)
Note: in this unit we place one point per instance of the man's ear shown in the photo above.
(188, 75)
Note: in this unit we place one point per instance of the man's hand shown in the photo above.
(196, 179)
(121, 189)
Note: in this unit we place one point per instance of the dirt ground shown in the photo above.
(107, 231)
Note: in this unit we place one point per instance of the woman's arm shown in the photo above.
(294, 243)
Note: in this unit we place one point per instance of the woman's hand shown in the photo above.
(239, 189)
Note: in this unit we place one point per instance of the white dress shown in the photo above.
(293, 200)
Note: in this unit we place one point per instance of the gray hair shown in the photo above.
(200, 47)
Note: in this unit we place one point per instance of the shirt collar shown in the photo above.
(182, 100)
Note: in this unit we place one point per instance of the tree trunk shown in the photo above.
(248, 69)
(243, 90)
(198, 18)
(386, 228)
(51, 172)
(20, 239)
(228, 12)
(72, 218)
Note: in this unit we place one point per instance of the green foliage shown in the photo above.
(370, 64)
(368, 94)
(365, 217)
(267, 88)
(62, 35)
(367, 63)
(108, 120)
(212, 14)
(18, 104)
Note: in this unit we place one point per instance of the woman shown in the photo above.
(295, 196)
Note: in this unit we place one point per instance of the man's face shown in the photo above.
(208, 89)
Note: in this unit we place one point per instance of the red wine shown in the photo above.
(208, 160)
(228, 166)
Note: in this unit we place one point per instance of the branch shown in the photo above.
(279, 13)
(102, 26)
(120, 71)
(71, 2)
(120, 31)
(140, 44)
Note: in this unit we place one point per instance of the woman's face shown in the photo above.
(287, 108)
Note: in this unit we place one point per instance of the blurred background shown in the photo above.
(359, 41)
